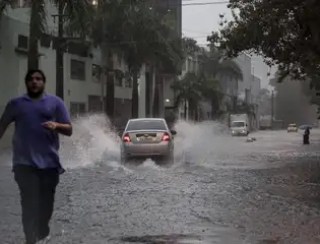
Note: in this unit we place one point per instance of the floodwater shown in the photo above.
(221, 189)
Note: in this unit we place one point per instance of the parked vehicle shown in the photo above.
(239, 124)
(292, 128)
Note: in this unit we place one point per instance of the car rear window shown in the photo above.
(147, 125)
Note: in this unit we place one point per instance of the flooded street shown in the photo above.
(221, 189)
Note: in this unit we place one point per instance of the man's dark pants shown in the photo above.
(37, 191)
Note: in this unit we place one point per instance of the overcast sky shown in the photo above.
(199, 21)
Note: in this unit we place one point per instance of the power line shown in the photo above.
(168, 5)
(204, 3)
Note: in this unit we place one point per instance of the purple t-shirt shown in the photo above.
(34, 145)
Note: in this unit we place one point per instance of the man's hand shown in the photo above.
(50, 125)
(65, 129)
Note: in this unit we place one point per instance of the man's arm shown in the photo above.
(6, 119)
(62, 124)
(64, 129)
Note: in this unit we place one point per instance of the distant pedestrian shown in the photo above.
(38, 118)
(306, 136)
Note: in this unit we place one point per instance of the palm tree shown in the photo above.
(205, 84)
(188, 90)
(216, 66)
(133, 32)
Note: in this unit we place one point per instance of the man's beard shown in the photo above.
(35, 94)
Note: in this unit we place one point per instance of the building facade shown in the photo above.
(248, 90)
(84, 83)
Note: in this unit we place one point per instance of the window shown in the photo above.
(21, 4)
(146, 125)
(23, 42)
(45, 40)
(118, 80)
(78, 70)
(95, 103)
(96, 72)
(77, 109)
(127, 80)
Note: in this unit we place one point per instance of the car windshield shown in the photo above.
(146, 125)
(237, 124)
(292, 125)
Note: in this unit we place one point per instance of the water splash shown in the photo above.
(203, 142)
(93, 141)
(206, 144)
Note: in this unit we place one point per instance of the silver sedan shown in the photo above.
(147, 138)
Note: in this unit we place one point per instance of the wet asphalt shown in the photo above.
(220, 190)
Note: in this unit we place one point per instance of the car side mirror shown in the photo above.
(173, 132)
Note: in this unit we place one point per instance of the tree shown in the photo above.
(215, 67)
(206, 82)
(188, 91)
(135, 33)
(292, 102)
(215, 63)
(211, 90)
(265, 102)
(190, 46)
(284, 32)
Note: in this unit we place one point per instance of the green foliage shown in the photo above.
(189, 89)
(205, 84)
(286, 33)
(215, 63)
(139, 36)
(190, 46)
(136, 32)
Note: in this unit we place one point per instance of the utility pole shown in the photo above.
(60, 51)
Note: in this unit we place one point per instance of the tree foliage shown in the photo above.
(136, 34)
(286, 33)
(204, 84)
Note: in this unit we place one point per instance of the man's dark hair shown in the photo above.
(31, 72)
